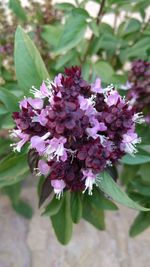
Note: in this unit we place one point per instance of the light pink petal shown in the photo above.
(36, 103)
(102, 127)
(96, 87)
(43, 167)
(44, 90)
(38, 143)
(23, 104)
(57, 79)
(113, 98)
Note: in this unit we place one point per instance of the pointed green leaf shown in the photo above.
(8, 99)
(53, 207)
(141, 223)
(92, 214)
(62, 222)
(76, 207)
(18, 10)
(109, 187)
(136, 159)
(30, 69)
(100, 201)
(73, 33)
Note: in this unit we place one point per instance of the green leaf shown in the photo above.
(10, 100)
(24, 209)
(51, 34)
(53, 207)
(64, 59)
(130, 26)
(100, 201)
(104, 71)
(73, 33)
(144, 172)
(136, 159)
(92, 214)
(64, 6)
(62, 222)
(13, 169)
(94, 27)
(18, 10)
(142, 189)
(4, 145)
(76, 207)
(30, 69)
(141, 223)
(109, 187)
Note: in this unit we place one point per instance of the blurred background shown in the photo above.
(105, 38)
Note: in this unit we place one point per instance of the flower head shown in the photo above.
(77, 128)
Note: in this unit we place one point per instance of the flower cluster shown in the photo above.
(77, 128)
(139, 92)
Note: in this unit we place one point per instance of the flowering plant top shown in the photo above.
(78, 130)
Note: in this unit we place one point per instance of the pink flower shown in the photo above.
(44, 90)
(23, 103)
(39, 143)
(96, 128)
(41, 118)
(44, 168)
(56, 149)
(57, 80)
(112, 98)
(24, 138)
(58, 185)
(90, 178)
(96, 87)
(130, 139)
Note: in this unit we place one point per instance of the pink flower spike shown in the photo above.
(44, 168)
(58, 185)
(90, 178)
(57, 80)
(96, 87)
(112, 98)
(36, 103)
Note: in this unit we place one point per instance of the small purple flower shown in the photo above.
(24, 139)
(57, 80)
(39, 143)
(58, 186)
(130, 139)
(36, 103)
(56, 149)
(112, 98)
(96, 87)
(43, 167)
(90, 178)
(41, 118)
